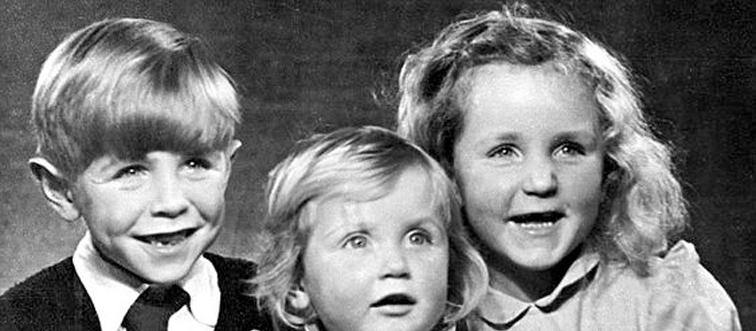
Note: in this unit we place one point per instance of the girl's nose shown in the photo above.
(169, 199)
(541, 179)
(394, 263)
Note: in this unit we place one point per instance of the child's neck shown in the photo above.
(526, 284)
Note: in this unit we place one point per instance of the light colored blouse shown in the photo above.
(679, 294)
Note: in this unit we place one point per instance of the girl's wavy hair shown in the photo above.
(642, 205)
(128, 86)
(355, 163)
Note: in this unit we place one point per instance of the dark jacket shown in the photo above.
(55, 299)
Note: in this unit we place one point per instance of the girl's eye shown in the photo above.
(504, 151)
(419, 238)
(570, 149)
(129, 171)
(357, 242)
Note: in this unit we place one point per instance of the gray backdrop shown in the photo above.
(306, 66)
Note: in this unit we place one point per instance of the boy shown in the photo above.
(135, 131)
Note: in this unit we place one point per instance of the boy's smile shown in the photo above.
(166, 239)
(155, 216)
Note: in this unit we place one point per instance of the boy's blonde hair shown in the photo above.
(129, 86)
(642, 204)
(360, 164)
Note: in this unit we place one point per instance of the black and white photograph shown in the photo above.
(413, 165)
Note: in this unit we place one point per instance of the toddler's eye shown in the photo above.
(357, 242)
(419, 238)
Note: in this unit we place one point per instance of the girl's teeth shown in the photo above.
(536, 225)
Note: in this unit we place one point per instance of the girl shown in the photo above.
(570, 197)
(363, 233)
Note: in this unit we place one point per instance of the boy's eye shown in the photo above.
(198, 163)
(356, 242)
(419, 238)
(129, 171)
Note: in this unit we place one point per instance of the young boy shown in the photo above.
(135, 129)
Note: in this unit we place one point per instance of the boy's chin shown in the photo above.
(161, 271)
(164, 275)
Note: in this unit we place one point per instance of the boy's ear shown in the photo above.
(55, 187)
(233, 147)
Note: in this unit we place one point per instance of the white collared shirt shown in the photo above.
(113, 291)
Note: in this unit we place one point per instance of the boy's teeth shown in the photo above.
(163, 240)
(166, 242)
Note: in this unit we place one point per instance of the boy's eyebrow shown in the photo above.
(106, 161)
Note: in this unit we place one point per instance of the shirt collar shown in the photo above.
(113, 290)
(499, 308)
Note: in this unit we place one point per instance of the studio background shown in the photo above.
(313, 66)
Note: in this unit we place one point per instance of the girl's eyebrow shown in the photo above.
(585, 136)
(580, 133)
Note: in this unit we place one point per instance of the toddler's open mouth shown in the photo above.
(166, 239)
(394, 299)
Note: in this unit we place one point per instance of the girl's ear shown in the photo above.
(55, 187)
(233, 147)
(298, 299)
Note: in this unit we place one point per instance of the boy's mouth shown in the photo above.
(166, 239)
(394, 299)
(537, 220)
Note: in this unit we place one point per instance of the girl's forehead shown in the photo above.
(504, 101)
(506, 84)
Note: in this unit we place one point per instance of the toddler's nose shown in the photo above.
(394, 263)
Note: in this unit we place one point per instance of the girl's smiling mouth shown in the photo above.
(537, 223)
(534, 219)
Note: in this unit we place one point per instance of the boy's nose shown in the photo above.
(168, 199)
(541, 179)
(394, 263)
